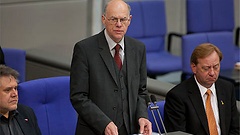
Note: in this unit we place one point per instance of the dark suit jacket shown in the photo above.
(94, 82)
(2, 61)
(29, 127)
(184, 109)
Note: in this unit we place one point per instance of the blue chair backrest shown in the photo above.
(223, 40)
(49, 98)
(160, 104)
(222, 15)
(136, 27)
(16, 59)
(209, 15)
(148, 24)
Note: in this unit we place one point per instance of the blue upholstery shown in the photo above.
(214, 15)
(209, 16)
(223, 40)
(135, 29)
(16, 59)
(148, 25)
(49, 98)
(150, 116)
(222, 15)
(198, 20)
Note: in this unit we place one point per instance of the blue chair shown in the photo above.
(49, 98)
(213, 16)
(149, 26)
(216, 16)
(223, 40)
(160, 104)
(16, 59)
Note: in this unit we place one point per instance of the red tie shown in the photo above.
(210, 116)
(117, 57)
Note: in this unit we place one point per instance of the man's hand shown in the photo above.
(111, 129)
(145, 126)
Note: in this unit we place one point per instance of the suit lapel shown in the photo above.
(24, 125)
(130, 60)
(106, 55)
(196, 99)
(221, 107)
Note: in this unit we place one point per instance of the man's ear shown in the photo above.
(103, 20)
(193, 67)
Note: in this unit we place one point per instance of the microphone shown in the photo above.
(154, 100)
(147, 99)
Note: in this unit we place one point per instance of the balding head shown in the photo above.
(116, 4)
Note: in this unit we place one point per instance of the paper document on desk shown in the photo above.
(152, 134)
(169, 133)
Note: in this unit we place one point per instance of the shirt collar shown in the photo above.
(111, 43)
(14, 112)
(203, 89)
(11, 113)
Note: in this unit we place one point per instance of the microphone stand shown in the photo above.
(156, 107)
(154, 117)
(147, 99)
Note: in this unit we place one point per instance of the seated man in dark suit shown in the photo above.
(203, 104)
(15, 119)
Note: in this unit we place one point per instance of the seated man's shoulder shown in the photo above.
(181, 90)
(23, 108)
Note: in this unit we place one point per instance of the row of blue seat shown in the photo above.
(149, 26)
(204, 18)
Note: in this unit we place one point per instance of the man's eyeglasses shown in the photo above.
(114, 20)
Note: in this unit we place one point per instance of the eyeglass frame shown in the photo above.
(114, 20)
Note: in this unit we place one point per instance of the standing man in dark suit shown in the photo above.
(189, 105)
(110, 98)
(15, 119)
(2, 61)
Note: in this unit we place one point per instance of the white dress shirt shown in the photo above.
(214, 102)
(112, 44)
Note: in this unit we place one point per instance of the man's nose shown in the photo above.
(119, 23)
(14, 92)
(211, 71)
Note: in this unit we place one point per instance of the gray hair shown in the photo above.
(7, 71)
